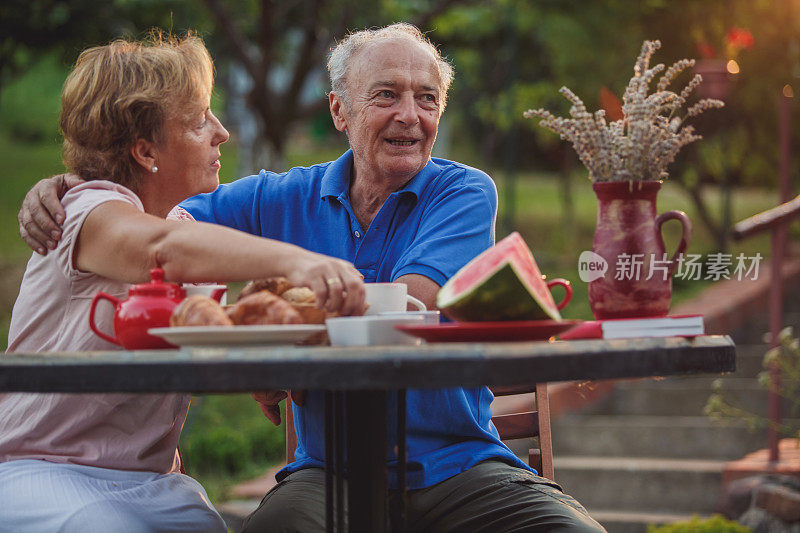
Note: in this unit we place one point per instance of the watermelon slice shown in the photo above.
(502, 283)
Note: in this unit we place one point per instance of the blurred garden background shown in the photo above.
(509, 55)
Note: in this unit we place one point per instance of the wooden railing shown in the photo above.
(767, 220)
(777, 220)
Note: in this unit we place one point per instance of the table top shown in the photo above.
(243, 369)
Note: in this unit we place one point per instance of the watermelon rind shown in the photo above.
(500, 296)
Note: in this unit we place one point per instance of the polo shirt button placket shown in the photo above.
(357, 234)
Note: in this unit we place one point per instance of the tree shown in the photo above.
(590, 45)
(514, 54)
(740, 145)
(282, 48)
(30, 28)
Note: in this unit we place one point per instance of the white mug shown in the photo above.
(217, 292)
(389, 297)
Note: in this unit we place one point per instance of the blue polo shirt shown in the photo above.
(433, 226)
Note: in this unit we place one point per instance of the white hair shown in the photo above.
(342, 54)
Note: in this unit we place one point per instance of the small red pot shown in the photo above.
(149, 305)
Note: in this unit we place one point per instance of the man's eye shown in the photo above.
(386, 94)
(429, 98)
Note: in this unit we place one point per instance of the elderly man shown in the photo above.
(399, 216)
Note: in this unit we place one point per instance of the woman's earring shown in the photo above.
(154, 169)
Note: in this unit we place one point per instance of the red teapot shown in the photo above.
(149, 305)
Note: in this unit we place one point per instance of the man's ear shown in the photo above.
(144, 153)
(337, 111)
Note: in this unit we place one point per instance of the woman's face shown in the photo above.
(188, 160)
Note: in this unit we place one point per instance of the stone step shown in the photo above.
(652, 485)
(754, 329)
(680, 396)
(749, 360)
(662, 436)
(635, 522)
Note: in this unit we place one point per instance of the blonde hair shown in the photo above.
(342, 55)
(125, 91)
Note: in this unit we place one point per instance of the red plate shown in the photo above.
(529, 330)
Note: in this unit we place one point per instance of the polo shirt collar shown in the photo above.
(336, 179)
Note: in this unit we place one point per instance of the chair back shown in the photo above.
(529, 424)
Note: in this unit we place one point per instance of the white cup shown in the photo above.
(217, 292)
(389, 298)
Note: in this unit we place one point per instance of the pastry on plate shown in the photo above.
(198, 310)
(263, 307)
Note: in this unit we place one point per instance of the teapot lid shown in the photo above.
(157, 286)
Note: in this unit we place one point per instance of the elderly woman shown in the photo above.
(137, 126)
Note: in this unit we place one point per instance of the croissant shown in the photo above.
(263, 307)
(277, 285)
(198, 310)
(299, 295)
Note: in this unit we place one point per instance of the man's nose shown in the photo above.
(407, 110)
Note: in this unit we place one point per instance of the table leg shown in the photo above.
(329, 441)
(334, 461)
(365, 416)
(398, 501)
(338, 459)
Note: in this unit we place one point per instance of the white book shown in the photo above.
(624, 328)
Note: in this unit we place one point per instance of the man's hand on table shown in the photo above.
(268, 402)
(42, 214)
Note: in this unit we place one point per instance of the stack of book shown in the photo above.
(626, 328)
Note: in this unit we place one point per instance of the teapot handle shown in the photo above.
(101, 296)
(685, 236)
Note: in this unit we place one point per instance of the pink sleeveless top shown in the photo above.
(120, 431)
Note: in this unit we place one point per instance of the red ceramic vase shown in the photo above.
(638, 279)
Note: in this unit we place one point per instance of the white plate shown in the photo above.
(237, 335)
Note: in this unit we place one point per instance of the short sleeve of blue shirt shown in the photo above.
(456, 223)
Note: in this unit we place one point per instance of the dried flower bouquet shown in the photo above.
(648, 137)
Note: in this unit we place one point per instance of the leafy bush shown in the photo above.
(229, 434)
(786, 356)
(715, 524)
(30, 104)
(218, 448)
